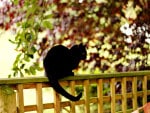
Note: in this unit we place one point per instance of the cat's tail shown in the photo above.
(55, 84)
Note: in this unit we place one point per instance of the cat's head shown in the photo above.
(79, 50)
(83, 51)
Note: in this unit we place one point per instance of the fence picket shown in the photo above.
(86, 96)
(57, 102)
(39, 98)
(144, 89)
(124, 94)
(100, 95)
(20, 98)
(113, 100)
(134, 91)
(72, 86)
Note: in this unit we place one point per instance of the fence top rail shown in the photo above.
(43, 79)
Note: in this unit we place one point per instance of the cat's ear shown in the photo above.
(82, 45)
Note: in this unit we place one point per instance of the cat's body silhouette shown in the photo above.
(59, 63)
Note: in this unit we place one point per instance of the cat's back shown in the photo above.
(56, 54)
(58, 49)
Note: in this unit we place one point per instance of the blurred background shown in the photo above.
(116, 34)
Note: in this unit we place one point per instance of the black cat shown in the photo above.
(59, 63)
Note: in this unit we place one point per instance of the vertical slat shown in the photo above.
(39, 99)
(72, 87)
(124, 97)
(20, 98)
(57, 107)
(100, 95)
(86, 94)
(134, 90)
(144, 90)
(113, 99)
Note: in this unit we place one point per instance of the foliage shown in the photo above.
(116, 32)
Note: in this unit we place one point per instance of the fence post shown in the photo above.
(7, 100)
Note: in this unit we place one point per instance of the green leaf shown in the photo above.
(47, 24)
(15, 2)
(36, 26)
(15, 64)
(22, 66)
(31, 10)
(27, 71)
(9, 76)
(48, 16)
(18, 56)
(12, 41)
(32, 70)
(33, 50)
(25, 25)
(21, 74)
(15, 73)
(27, 58)
(37, 67)
(28, 36)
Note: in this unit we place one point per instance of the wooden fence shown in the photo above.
(98, 91)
